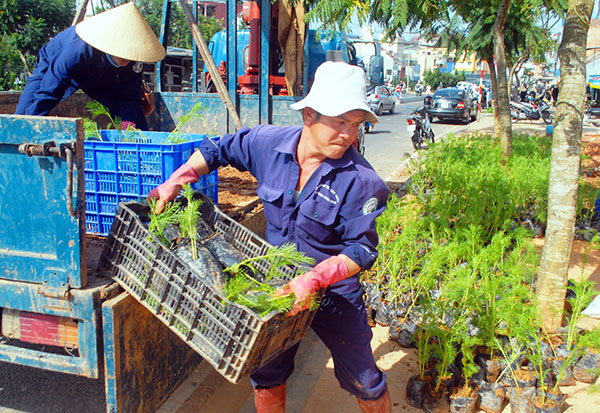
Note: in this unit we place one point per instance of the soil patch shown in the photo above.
(237, 191)
(590, 164)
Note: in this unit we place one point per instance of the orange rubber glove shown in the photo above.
(168, 190)
(327, 272)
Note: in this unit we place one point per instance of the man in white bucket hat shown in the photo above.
(320, 194)
(98, 56)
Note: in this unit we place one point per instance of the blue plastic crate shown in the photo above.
(126, 166)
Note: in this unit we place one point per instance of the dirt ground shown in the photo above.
(590, 165)
(235, 188)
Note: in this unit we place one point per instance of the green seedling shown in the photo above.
(175, 136)
(243, 288)
(97, 109)
(158, 222)
(188, 219)
(90, 129)
(575, 343)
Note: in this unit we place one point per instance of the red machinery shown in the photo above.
(250, 81)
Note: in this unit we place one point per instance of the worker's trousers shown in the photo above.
(341, 323)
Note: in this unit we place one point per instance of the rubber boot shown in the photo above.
(381, 405)
(270, 400)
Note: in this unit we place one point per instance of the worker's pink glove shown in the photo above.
(327, 272)
(169, 189)
(125, 124)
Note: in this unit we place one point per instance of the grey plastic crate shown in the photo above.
(233, 339)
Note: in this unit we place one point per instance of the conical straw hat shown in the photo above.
(122, 32)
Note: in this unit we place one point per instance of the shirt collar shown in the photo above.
(289, 146)
(112, 61)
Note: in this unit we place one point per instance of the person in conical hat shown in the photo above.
(100, 56)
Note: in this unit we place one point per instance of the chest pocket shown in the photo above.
(272, 199)
(317, 220)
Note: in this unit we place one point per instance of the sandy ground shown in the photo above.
(313, 387)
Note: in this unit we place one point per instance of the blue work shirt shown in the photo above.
(336, 210)
(67, 63)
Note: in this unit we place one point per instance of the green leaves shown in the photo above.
(173, 213)
(175, 136)
(97, 109)
(188, 218)
(464, 233)
(245, 289)
(25, 26)
(158, 222)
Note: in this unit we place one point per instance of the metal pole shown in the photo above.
(265, 38)
(212, 68)
(80, 14)
(480, 90)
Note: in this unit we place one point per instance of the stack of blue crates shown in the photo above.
(126, 166)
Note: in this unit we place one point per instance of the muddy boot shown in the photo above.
(270, 400)
(381, 405)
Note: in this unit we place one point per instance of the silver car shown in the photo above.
(381, 99)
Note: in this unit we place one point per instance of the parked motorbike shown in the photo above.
(531, 111)
(591, 116)
(419, 129)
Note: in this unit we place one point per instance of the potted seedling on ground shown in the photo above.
(464, 399)
(418, 385)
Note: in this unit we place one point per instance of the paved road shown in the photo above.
(389, 144)
(25, 389)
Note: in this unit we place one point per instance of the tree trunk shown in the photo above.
(291, 33)
(564, 167)
(502, 124)
(514, 69)
(494, 83)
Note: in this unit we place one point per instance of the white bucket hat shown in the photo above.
(338, 88)
(122, 32)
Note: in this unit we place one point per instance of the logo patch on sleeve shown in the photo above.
(138, 67)
(369, 206)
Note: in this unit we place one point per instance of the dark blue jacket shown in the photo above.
(336, 210)
(66, 64)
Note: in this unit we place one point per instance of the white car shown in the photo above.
(381, 99)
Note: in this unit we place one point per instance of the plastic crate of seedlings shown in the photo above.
(126, 165)
(189, 285)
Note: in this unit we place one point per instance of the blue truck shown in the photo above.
(319, 47)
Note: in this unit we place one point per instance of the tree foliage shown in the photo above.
(435, 77)
(179, 34)
(27, 25)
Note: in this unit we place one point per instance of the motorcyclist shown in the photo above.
(419, 88)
